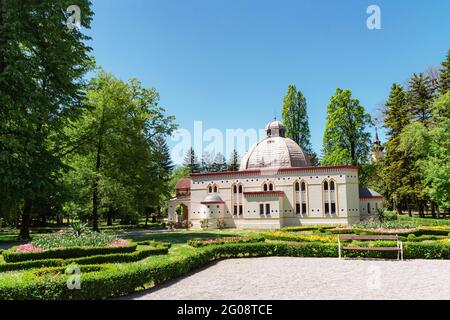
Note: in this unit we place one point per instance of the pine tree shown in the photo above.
(191, 161)
(207, 161)
(420, 98)
(233, 164)
(444, 83)
(395, 164)
(219, 164)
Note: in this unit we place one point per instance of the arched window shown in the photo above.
(265, 187)
(325, 185)
(240, 188)
(210, 189)
(303, 186)
(297, 186)
(331, 185)
(329, 197)
(215, 188)
(270, 187)
(234, 189)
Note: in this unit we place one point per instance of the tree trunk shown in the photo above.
(408, 206)
(95, 191)
(26, 220)
(109, 216)
(433, 210)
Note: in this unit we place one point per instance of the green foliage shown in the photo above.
(67, 239)
(197, 243)
(345, 140)
(295, 119)
(221, 224)
(234, 161)
(73, 252)
(307, 228)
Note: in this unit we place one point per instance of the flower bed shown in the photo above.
(69, 239)
(286, 236)
(116, 280)
(15, 254)
(201, 243)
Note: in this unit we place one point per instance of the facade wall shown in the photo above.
(368, 207)
(343, 200)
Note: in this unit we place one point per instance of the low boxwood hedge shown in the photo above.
(306, 228)
(97, 259)
(121, 279)
(74, 252)
(287, 236)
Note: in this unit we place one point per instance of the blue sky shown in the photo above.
(228, 63)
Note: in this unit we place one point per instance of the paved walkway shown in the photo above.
(309, 278)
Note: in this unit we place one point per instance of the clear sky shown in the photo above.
(228, 62)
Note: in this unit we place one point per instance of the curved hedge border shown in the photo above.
(286, 236)
(74, 252)
(307, 228)
(116, 280)
(97, 259)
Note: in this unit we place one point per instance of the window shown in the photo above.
(215, 188)
(304, 208)
(267, 209)
(210, 189)
(368, 208)
(234, 189)
(265, 187)
(241, 210)
(235, 210)
(325, 185)
(240, 189)
(327, 207)
(297, 208)
(303, 186)
(297, 186)
(271, 187)
(333, 208)
(261, 209)
(331, 185)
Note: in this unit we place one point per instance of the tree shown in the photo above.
(295, 119)
(219, 163)
(234, 161)
(420, 98)
(444, 83)
(39, 93)
(207, 161)
(395, 164)
(191, 161)
(120, 142)
(345, 140)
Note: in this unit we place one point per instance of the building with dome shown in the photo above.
(275, 187)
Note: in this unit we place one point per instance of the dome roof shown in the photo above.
(275, 151)
(212, 198)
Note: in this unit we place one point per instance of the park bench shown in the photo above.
(344, 237)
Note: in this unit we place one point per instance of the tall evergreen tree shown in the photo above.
(42, 65)
(420, 98)
(444, 83)
(234, 161)
(295, 119)
(396, 162)
(345, 140)
(207, 162)
(191, 161)
(219, 163)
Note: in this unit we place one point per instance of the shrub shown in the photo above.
(154, 243)
(285, 236)
(306, 228)
(221, 224)
(74, 252)
(204, 224)
(202, 243)
(31, 264)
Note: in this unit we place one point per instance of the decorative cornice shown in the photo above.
(264, 193)
(213, 202)
(274, 170)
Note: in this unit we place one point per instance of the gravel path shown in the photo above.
(309, 278)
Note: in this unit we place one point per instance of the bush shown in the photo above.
(74, 252)
(31, 264)
(115, 280)
(306, 228)
(221, 224)
(202, 243)
(285, 236)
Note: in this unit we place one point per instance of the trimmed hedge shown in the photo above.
(74, 252)
(97, 259)
(286, 236)
(155, 243)
(225, 240)
(116, 280)
(306, 228)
